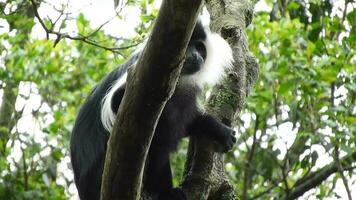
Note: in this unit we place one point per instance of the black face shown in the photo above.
(195, 57)
(196, 51)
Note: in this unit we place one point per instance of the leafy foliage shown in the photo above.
(299, 120)
(303, 106)
(47, 85)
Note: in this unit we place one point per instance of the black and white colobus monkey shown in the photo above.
(207, 57)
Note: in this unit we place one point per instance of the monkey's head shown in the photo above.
(207, 57)
(195, 55)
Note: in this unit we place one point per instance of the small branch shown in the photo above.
(303, 177)
(317, 177)
(61, 13)
(267, 191)
(60, 36)
(247, 173)
(277, 123)
(344, 12)
(101, 26)
(340, 169)
(24, 165)
(324, 46)
(285, 171)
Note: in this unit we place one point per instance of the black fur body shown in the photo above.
(181, 117)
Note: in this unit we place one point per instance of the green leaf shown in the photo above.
(285, 87)
(82, 23)
(293, 6)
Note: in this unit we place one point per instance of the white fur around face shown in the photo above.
(107, 114)
(219, 58)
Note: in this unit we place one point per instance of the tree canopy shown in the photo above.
(296, 131)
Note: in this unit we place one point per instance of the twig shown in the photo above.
(247, 174)
(24, 165)
(267, 191)
(344, 12)
(285, 171)
(85, 39)
(339, 166)
(340, 169)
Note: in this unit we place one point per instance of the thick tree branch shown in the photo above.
(204, 174)
(149, 86)
(317, 177)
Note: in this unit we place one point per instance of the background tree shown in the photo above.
(299, 126)
(296, 132)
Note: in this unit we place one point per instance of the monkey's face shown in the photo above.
(195, 57)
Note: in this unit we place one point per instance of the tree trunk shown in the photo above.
(148, 88)
(205, 176)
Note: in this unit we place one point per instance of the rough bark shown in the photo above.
(205, 176)
(149, 87)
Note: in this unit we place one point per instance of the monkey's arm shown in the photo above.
(205, 124)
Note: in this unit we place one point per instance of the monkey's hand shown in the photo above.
(209, 126)
(225, 136)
